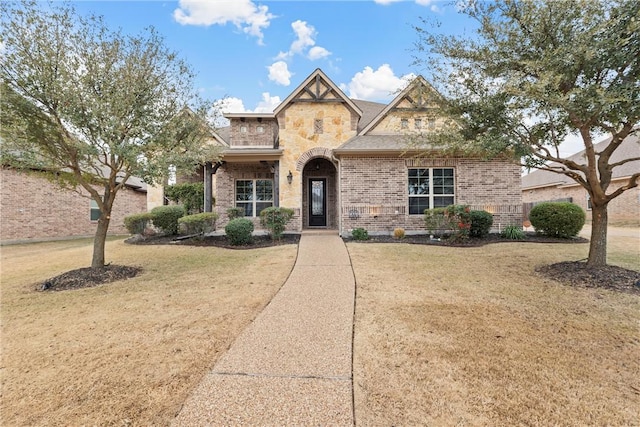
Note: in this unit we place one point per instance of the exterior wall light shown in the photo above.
(290, 177)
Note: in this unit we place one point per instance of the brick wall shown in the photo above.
(33, 208)
(252, 137)
(623, 210)
(373, 191)
(224, 191)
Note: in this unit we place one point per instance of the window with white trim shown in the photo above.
(588, 202)
(254, 195)
(430, 188)
(404, 123)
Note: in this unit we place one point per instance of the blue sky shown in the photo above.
(255, 53)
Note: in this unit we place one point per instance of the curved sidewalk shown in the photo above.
(292, 365)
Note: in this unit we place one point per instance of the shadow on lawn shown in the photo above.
(573, 273)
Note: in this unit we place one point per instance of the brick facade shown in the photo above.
(34, 208)
(374, 191)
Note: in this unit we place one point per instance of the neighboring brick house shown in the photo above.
(540, 186)
(341, 163)
(33, 208)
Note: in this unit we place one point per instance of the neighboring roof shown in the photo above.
(629, 148)
(318, 75)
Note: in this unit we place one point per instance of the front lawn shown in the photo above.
(129, 352)
(474, 336)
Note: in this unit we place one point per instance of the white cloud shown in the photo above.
(424, 2)
(318, 52)
(381, 84)
(386, 2)
(231, 105)
(244, 14)
(305, 39)
(268, 103)
(279, 73)
(305, 35)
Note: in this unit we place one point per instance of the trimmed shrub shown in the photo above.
(481, 222)
(200, 223)
(137, 223)
(360, 234)
(436, 221)
(513, 232)
(275, 220)
(239, 230)
(398, 233)
(557, 219)
(454, 220)
(233, 213)
(166, 218)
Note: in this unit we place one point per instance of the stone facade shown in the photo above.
(35, 209)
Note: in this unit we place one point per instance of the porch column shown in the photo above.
(207, 186)
(276, 183)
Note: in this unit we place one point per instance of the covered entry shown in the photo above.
(319, 194)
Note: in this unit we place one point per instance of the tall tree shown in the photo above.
(93, 107)
(536, 72)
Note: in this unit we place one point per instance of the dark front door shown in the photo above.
(317, 202)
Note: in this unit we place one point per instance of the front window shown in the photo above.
(254, 195)
(95, 211)
(430, 188)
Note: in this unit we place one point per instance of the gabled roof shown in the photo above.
(629, 148)
(317, 87)
(417, 85)
(417, 93)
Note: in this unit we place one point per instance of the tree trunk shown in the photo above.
(598, 245)
(99, 240)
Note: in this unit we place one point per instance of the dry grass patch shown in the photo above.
(472, 336)
(129, 352)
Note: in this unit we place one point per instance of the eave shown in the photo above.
(251, 154)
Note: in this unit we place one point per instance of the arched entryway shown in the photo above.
(319, 194)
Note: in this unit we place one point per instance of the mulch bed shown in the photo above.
(423, 239)
(217, 241)
(576, 273)
(88, 277)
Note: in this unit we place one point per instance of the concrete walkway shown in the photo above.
(292, 365)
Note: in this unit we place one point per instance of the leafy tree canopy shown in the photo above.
(95, 106)
(536, 72)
